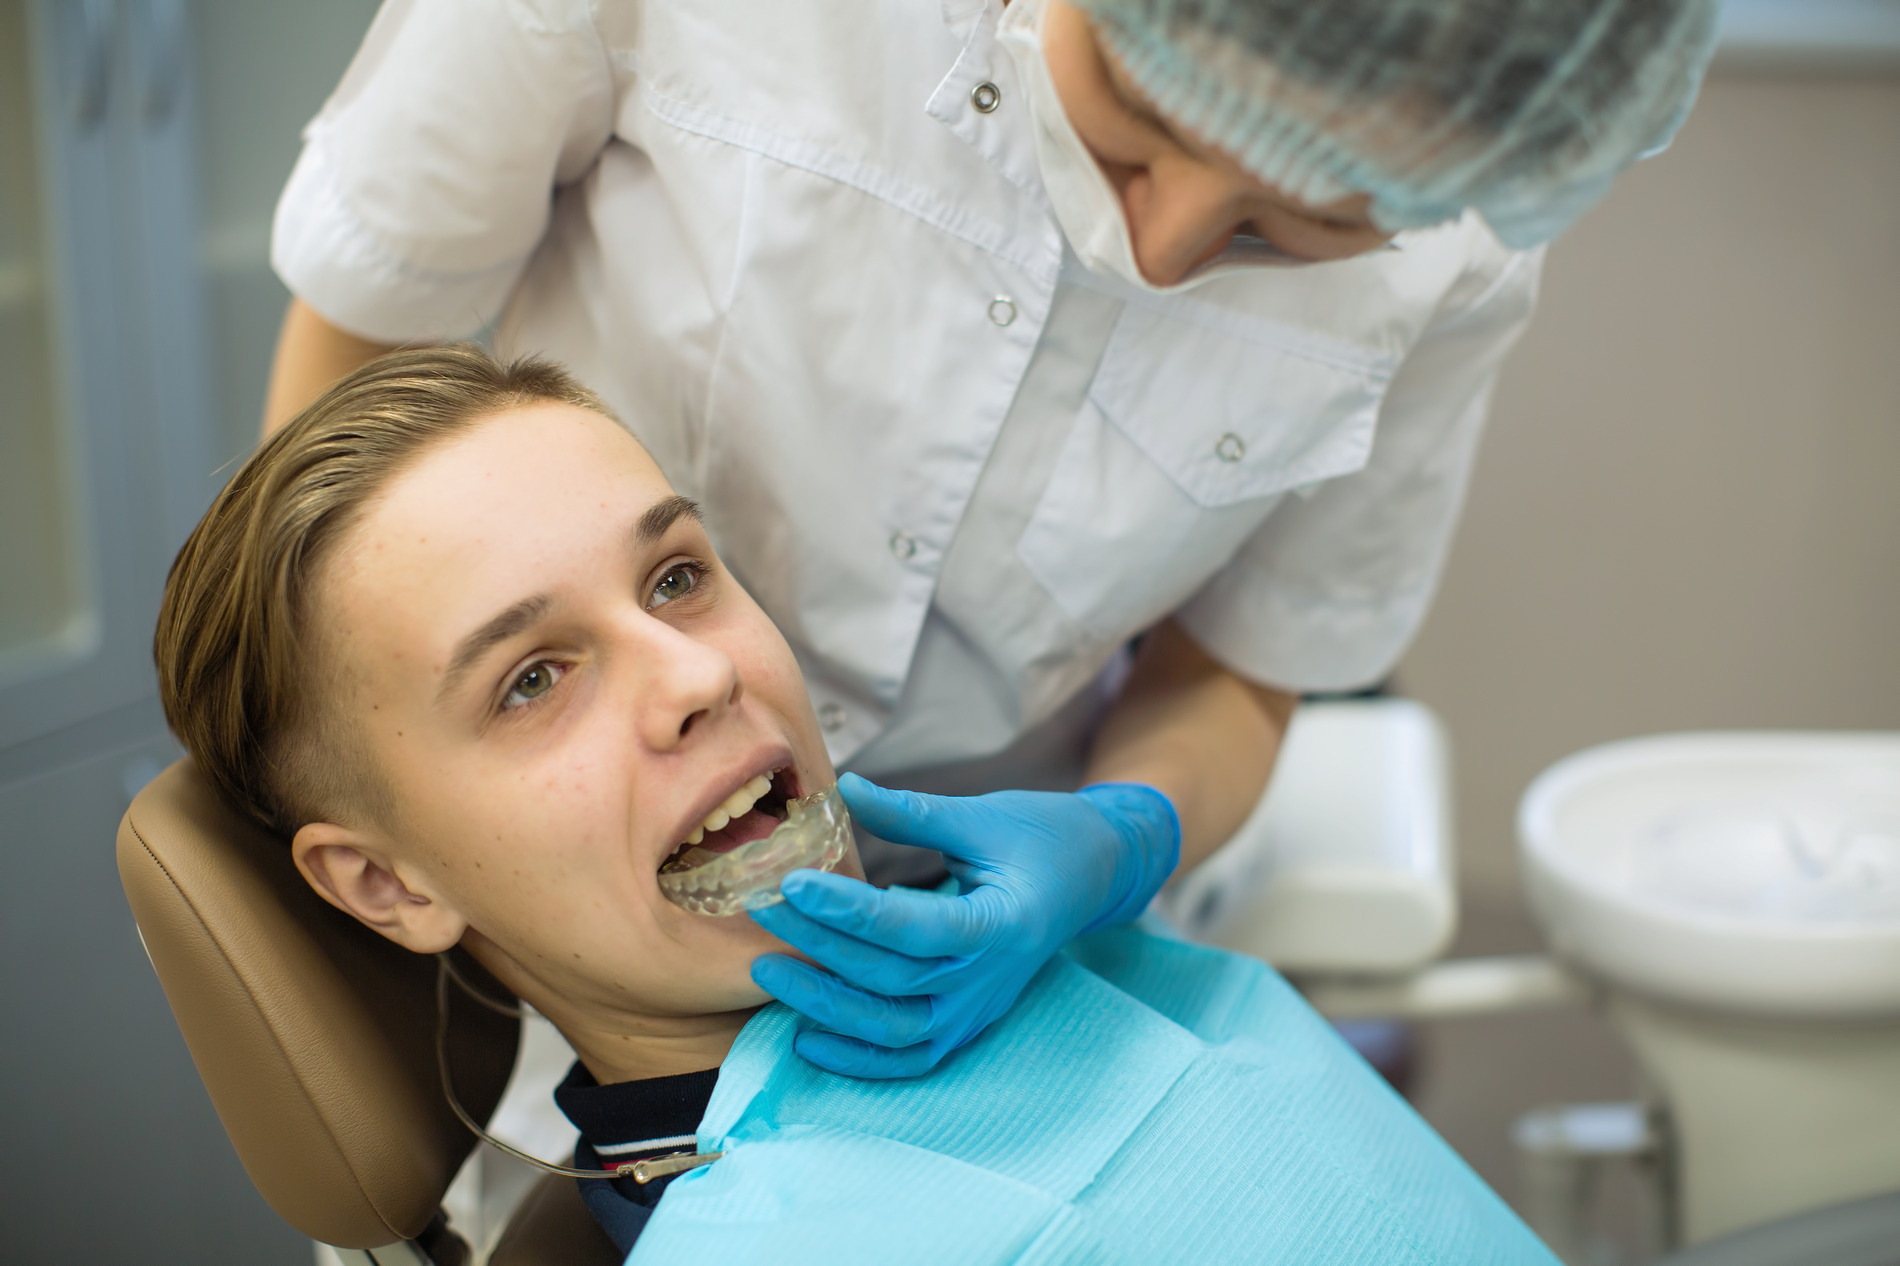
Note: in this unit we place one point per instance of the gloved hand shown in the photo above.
(918, 974)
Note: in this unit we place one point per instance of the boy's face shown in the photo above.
(556, 681)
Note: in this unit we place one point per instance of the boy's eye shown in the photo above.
(678, 581)
(532, 684)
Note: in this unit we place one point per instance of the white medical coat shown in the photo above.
(828, 293)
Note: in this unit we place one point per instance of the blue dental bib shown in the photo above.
(1145, 1101)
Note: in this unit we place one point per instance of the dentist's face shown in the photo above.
(1184, 199)
(557, 682)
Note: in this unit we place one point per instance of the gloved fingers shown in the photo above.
(1144, 814)
(869, 1017)
(917, 924)
(861, 1059)
(959, 826)
(872, 967)
(1150, 827)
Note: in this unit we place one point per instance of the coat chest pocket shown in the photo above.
(1188, 439)
(1229, 417)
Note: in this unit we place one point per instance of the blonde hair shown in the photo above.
(235, 648)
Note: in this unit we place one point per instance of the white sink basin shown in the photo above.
(1751, 872)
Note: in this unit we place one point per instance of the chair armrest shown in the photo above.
(1346, 864)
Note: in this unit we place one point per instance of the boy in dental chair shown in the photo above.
(452, 634)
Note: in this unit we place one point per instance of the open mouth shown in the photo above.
(737, 855)
(751, 813)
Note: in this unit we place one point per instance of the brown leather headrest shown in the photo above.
(315, 1036)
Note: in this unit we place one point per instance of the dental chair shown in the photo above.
(315, 1037)
(316, 1040)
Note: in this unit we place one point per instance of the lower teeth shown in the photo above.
(813, 836)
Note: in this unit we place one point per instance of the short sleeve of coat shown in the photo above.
(1330, 590)
(426, 181)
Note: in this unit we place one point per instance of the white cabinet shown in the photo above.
(106, 336)
(142, 143)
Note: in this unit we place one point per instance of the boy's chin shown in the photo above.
(728, 996)
(727, 984)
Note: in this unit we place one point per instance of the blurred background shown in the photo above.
(1686, 514)
(1684, 517)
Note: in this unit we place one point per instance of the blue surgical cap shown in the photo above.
(1522, 109)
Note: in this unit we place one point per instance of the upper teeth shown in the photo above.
(736, 805)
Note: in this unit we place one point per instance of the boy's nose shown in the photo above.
(686, 684)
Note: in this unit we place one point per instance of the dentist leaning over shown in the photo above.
(992, 339)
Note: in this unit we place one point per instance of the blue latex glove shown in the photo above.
(918, 974)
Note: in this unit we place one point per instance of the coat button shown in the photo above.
(903, 546)
(1002, 310)
(1230, 448)
(831, 718)
(986, 96)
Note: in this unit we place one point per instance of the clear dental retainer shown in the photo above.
(813, 836)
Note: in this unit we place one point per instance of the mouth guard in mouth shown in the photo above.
(813, 836)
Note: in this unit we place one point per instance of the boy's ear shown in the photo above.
(350, 871)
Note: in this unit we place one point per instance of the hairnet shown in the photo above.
(1522, 109)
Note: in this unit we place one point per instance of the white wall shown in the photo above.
(1687, 513)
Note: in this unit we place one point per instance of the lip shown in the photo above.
(720, 789)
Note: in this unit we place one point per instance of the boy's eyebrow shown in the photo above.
(504, 626)
(650, 527)
(661, 515)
